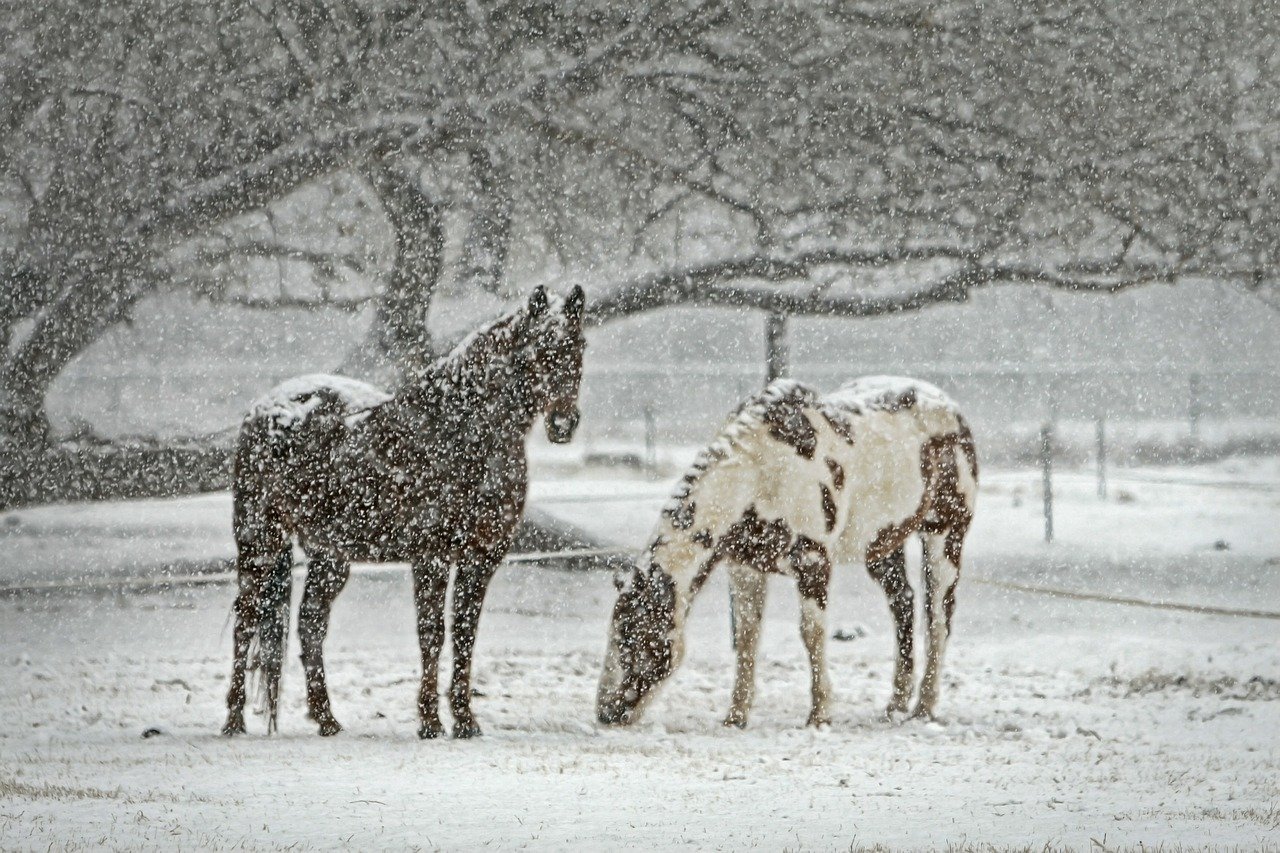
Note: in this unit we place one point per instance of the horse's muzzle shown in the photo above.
(613, 714)
(561, 426)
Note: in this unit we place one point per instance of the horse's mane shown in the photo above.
(466, 367)
(496, 336)
(748, 418)
(463, 364)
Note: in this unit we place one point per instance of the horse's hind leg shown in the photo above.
(469, 588)
(326, 576)
(941, 574)
(430, 583)
(748, 597)
(246, 609)
(891, 573)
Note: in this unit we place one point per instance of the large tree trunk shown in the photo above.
(98, 293)
(399, 343)
(484, 251)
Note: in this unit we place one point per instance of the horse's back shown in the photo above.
(287, 435)
(900, 410)
(892, 394)
(290, 403)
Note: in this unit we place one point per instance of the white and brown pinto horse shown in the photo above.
(795, 484)
(434, 475)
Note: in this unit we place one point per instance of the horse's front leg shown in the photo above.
(470, 586)
(430, 581)
(326, 576)
(747, 588)
(812, 569)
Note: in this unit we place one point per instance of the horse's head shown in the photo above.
(555, 345)
(644, 646)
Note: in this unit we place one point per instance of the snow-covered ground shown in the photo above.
(1068, 723)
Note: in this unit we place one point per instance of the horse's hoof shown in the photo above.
(819, 721)
(430, 731)
(329, 728)
(735, 721)
(922, 714)
(233, 727)
(464, 731)
(893, 712)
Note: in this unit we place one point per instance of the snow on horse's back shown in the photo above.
(289, 403)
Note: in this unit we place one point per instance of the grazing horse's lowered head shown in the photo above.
(644, 643)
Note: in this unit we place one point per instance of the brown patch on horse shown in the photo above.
(681, 513)
(762, 544)
(942, 506)
(828, 507)
(949, 604)
(964, 441)
(895, 401)
(755, 542)
(837, 473)
(643, 621)
(839, 425)
(788, 424)
(812, 567)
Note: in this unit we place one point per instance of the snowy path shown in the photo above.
(1064, 721)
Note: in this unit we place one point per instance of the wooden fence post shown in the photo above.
(775, 342)
(1046, 468)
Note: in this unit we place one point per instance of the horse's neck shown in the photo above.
(476, 396)
(717, 499)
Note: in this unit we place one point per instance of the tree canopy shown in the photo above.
(803, 157)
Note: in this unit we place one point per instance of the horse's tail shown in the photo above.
(266, 552)
(273, 631)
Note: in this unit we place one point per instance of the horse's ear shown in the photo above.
(537, 301)
(574, 301)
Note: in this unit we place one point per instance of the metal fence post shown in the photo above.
(650, 438)
(1193, 405)
(1102, 456)
(1046, 468)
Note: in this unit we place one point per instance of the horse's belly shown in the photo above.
(393, 527)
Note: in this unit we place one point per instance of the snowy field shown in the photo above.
(1064, 723)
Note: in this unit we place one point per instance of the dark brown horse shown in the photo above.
(434, 476)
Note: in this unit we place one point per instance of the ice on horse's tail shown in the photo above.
(272, 636)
